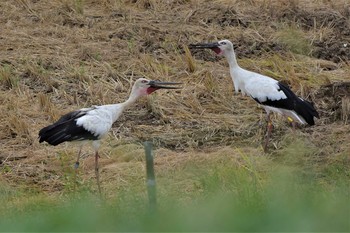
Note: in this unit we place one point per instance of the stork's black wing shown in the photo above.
(66, 129)
(302, 107)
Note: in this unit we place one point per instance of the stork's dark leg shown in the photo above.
(269, 130)
(292, 123)
(97, 173)
(76, 165)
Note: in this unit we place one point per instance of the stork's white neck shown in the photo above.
(235, 71)
(117, 109)
(134, 95)
(231, 59)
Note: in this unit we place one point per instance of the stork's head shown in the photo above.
(221, 47)
(144, 86)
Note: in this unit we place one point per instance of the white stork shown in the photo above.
(273, 95)
(92, 124)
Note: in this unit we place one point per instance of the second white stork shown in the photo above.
(92, 124)
(273, 95)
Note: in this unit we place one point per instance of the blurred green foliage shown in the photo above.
(231, 198)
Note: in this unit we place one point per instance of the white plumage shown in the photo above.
(99, 119)
(274, 96)
(263, 88)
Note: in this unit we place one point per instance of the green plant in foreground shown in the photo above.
(231, 201)
(228, 191)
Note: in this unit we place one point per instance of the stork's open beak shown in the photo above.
(164, 85)
(204, 45)
(213, 46)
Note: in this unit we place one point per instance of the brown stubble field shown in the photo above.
(60, 55)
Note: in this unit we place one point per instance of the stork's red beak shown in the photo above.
(155, 85)
(213, 46)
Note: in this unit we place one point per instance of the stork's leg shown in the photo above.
(97, 173)
(76, 165)
(294, 126)
(269, 130)
(292, 122)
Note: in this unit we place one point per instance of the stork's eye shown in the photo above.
(144, 81)
(223, 43)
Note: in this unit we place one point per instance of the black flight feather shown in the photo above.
(66, 129)
(302, 107)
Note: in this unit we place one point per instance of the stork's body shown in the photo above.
(273, 95)
(92, 124)
(84, 124)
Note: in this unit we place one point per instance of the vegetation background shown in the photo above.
(212, 175)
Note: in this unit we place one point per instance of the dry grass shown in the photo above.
(56, 56)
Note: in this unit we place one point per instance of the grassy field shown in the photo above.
(212, 174)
